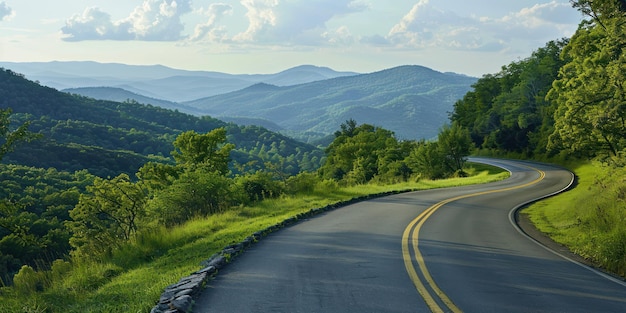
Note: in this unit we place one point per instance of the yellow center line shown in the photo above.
(413, 237)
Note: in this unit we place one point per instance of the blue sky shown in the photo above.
(265, 36)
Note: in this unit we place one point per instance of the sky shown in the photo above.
(267, 36)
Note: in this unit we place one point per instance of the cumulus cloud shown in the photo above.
(261, 16)
(154, 20)
(210, 28)
(340, 36)
(5, 11)
(427, 26)
(296, 22)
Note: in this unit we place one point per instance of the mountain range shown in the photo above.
(157, 81)
(412, 101)
(307, 102)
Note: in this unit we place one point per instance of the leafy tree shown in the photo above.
(357, 153)
(8, 137)
(428, 160)
(208, 151)
(108, 215)
(590, 91)
(601, 10)
(454, 144)
(508, 111)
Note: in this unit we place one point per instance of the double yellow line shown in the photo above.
(427, 287)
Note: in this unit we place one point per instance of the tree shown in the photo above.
(590, 91)
(108, 215)
(8, 137)
(209, 151)
(601, 10)
(508, 110)
(358, 153)
(454, 144)
(428, 161)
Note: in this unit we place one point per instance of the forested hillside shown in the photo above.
(566, 103)
(108, 138)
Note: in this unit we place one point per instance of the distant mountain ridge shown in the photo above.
(123, 95)
(160, 82)
(413, 101)
(305, 102)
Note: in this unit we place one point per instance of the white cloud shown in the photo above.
(339, 36)
(260, 16)
(426, 26)
(6, 12)
(209, 29)
(154, 20)
(292, 22)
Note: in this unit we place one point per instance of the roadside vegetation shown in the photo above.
(72, 241)
(565, 104)
(75, 242)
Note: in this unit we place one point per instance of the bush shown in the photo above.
(302, 183)
(259, 186)
(28, 281)
(196, 193)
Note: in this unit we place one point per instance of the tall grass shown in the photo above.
(592, 220)
(135, 275)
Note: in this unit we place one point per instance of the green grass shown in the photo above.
(590, 219)
(135, 276)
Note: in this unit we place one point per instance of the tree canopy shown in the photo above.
(590, 92)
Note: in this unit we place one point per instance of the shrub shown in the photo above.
(303, 182)
(28, 281)
(260, 186)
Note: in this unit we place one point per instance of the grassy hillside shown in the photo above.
(412, 101)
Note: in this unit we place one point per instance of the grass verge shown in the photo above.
(590, 219)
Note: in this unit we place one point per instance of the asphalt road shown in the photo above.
(445, 250)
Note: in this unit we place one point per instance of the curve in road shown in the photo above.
(461, 247)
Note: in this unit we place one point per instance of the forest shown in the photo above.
(83, 178)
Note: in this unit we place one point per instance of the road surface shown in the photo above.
(445, 250)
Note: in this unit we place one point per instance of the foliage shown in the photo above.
(107, 216)
(105, 286)
(35, 204)
(9, 137)
(196, 193)
(590, 91)
(358, 153)
(207, 151)
(508, 110)
(259, 186)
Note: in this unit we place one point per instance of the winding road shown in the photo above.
(444, 250)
